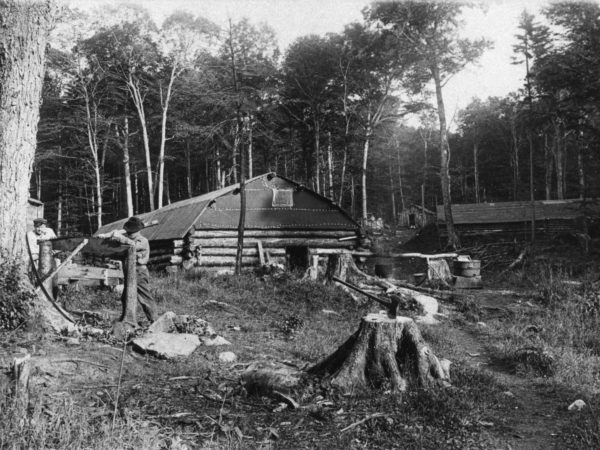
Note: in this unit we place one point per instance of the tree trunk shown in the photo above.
(163, 134)
(317, 155)
(250, 126)
(400, 184)
(580, 171)
(453, 241)
(138, 101)
(352, 197)
(385, 352)
(531, 187)
(476, 170)
(364, 172)
(558, 162)
(392, 193)
(547, 168)
(515, 156)
(330, 166)
(24, 30)
(126, 168)
(188, 168)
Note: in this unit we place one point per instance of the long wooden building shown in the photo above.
(513, 219)
(285, 223)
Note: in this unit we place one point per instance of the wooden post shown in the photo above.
(129, 298)
(21, 368)
(46, 264)
(128, 320)
(261, 256)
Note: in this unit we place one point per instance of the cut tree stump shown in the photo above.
(384, 352)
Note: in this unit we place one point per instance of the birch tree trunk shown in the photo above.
(330, 166)
(400, 185)
(476, 170)
(392, 193)
(453, 241)
(188, 168)
(91, 110)
(163, 133)
(364, 172)
(126, 168)
(515, 156)
(250, 126)
(138, 100)
(547, 168)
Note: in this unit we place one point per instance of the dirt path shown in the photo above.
(540, 414)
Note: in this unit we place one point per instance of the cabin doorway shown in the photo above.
(298, 258)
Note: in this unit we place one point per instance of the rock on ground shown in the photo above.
(167, 345)
(227, 357)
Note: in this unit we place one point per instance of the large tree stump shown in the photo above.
(383, 352)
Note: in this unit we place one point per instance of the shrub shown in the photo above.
(16, 298)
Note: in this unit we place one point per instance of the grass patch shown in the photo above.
(583, 429)
(559, 338)
(61, 424)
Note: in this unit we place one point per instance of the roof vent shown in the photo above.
(283, 198)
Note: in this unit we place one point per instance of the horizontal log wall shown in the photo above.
(261, 234)
(218, 248)
(273, 242)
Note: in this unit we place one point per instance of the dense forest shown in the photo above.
(136, 115)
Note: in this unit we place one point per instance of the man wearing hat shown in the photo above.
(40, 233)
(131, 236)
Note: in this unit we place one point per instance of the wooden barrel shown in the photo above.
(467, 268)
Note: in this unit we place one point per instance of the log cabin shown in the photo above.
(286, 223)
(512, 220)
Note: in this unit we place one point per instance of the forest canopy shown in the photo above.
(138, 114)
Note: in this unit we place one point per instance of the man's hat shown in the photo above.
(133, 224)
(39, 221)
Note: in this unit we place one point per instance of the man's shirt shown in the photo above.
(35, 238)
(141, 244)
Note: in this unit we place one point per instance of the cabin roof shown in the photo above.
(220, 210)
(512, 212)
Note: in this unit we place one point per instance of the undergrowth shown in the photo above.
(16, 299)
(559, 338)
(59, 423)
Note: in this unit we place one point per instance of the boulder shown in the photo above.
(227, 357)
(167, 345)
(214, 341)
(577, 405)
(164, 324)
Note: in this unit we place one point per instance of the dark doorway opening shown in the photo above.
(298, 257)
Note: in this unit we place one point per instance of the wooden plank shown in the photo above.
(65, 262)
(173, 259)
(275, 242)
(275, 233)
(230, 261)
(228, 251)
(261, 256)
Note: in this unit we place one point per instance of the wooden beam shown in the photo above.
(276, 233)
(261, 256)
(64, 263)
(275, 242)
